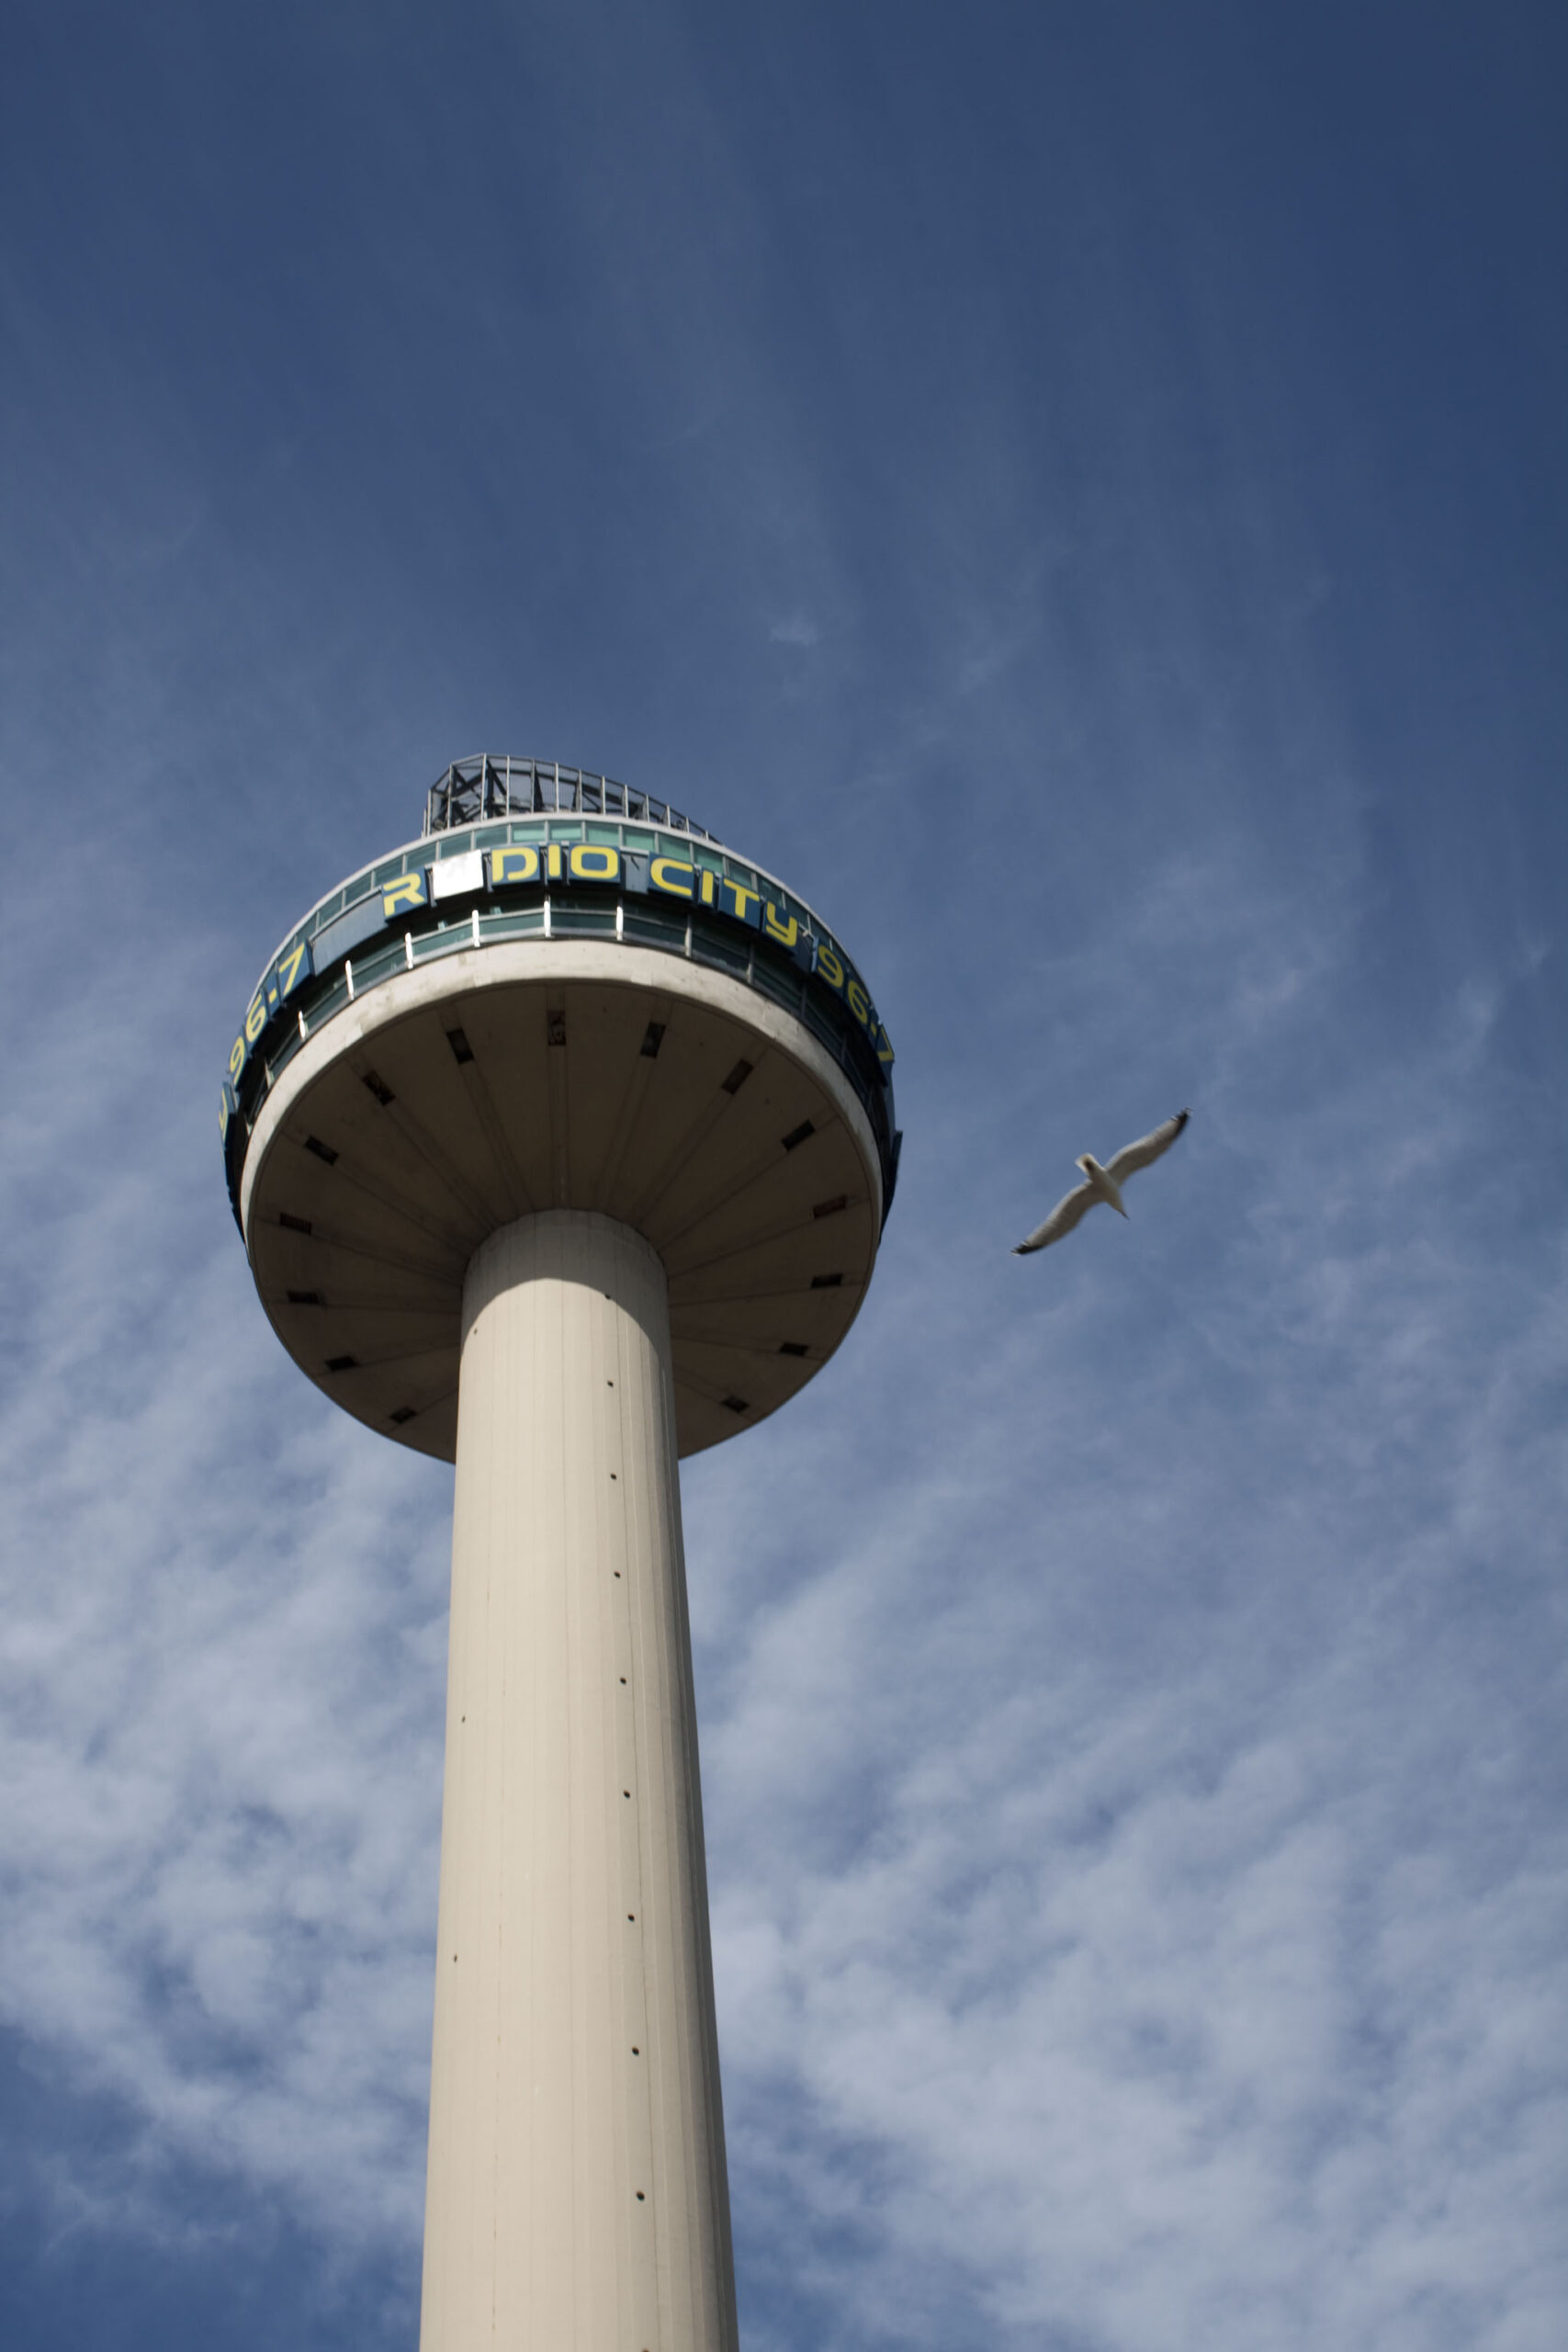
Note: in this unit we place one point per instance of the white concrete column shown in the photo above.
(576, 2198)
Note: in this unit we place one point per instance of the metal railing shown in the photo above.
(488, 786)
(691, 934)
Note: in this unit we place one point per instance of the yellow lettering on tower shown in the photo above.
(590, 863)
(295, 967)
(402, 897)
(518, 863)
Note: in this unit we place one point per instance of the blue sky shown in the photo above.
(1079, 492)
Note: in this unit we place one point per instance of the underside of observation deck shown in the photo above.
(561, 1075)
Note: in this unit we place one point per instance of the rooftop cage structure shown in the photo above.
(485, 787)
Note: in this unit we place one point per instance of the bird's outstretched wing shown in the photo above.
(1134, 1156)
(1062, 1219)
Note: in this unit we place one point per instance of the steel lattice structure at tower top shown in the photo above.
(561, 1142)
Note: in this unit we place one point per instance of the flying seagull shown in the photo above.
(1103, 1184)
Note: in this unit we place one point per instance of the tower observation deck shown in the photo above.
(561, 1142)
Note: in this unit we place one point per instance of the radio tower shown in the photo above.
(561, 1142)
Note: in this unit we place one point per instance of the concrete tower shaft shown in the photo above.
(577, 2175)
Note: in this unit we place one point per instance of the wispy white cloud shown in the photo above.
(221, 1662)
(1133, 1889)
(795, 628)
